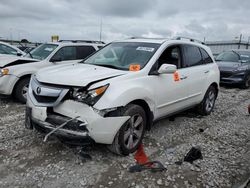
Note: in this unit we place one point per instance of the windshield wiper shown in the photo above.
(27, 51)
(108, 66)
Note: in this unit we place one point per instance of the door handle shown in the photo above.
(206, 72)
(183, 77)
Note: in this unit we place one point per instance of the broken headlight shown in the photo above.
(89, 97)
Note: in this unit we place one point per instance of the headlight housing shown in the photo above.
(3, 72)
(89, 97)
(242, 68)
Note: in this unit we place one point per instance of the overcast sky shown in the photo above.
(37, 20)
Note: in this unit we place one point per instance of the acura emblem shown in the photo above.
(38, 90)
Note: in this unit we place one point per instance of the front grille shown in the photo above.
(225, 74)
(45, 95)
(44, 99)
(75, 125)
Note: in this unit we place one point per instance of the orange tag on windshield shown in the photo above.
(135, 67)
(176, 76)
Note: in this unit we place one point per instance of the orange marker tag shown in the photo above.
(135, 67)
(176, 76)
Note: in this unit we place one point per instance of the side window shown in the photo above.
(206, 57)
(192, 56)
(7, 50)
(84, 51)
(171, 55)
(65, 54)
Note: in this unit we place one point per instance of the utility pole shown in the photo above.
(101, 30)
(240, 41)
(248, 42)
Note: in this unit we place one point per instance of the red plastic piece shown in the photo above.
(140, 156)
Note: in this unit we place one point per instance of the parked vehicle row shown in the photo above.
(15, 72)
(114, 96)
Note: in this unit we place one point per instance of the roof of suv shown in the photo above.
(77, 43)
(183, 40)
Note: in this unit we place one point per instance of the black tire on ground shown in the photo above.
(246, 83)
(207, 105)
(130, 135)
(20, 88)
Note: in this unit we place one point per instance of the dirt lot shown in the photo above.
(26, 161)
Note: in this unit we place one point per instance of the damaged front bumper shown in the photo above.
(89, 126)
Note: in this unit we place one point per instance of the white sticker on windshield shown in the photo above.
(148, 49)
(49, 49)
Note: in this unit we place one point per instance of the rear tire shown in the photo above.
(207, 105)
(21, 90)
(130, 135)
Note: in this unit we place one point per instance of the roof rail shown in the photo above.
(190, 39)
(83, 41)
(147, 38)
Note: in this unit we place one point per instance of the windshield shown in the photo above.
(228, 56)
(123, 55)
(42, 51)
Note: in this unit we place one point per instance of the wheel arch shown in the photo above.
(216, 86)
(149, 113)
(20, 78)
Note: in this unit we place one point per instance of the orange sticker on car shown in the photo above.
(135, 67)
(176, 76)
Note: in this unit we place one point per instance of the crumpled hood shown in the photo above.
(14, 60)
(78, 74)
(228, 66)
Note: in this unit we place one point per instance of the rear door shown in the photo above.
(194, 71)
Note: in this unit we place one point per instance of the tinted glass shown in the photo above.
(170, 56)
(205, 56)
(121, 55)
(84, 51)
(192, 56)
(228, 56)
(66, 53)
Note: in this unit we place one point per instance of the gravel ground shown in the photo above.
(26, 161)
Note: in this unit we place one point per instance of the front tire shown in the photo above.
(130, 135)
(207, 105)
(246, 83)
(21, 90)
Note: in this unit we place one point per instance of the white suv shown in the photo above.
(15, 72)
(117, 93)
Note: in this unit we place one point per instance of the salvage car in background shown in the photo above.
(7, 49)
(15, 72)
(234, 67)
(117, 93)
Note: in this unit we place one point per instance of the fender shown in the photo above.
(121, 97)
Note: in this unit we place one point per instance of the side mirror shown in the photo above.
(55, 59)
(19, 54)
(167, 69)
